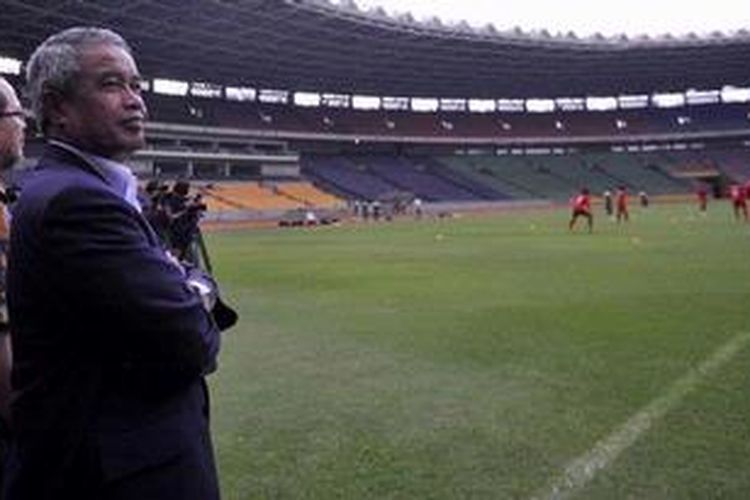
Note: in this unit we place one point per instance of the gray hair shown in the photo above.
(55, 64)
(3, 99)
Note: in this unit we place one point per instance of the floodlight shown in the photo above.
(365, 102)
(273, 96)
(240, 93)
(511, 105)
(10, 66)
(307, 99)
(335, 100)
(481, 105)
(452, 104)
(205, 89)
(601, 103)
(424, 104)
(735, 94)
(633, 101)
(170, 87)
(396, 103)
(540, 105)
(703, 96)
(570, 103)
(669, 100)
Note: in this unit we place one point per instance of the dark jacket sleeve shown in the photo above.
(127, 297)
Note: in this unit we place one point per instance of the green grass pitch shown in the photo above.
(476, 357)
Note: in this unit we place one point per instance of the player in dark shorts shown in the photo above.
(739, 201)
(608, 205)
(621, 201)
(643, 196)
(702, 198)
(582, 208)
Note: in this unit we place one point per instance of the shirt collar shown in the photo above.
(118, 175)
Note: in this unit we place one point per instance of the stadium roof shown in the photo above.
(313, 45)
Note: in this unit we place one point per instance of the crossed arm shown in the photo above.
(127, 297)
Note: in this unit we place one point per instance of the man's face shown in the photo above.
(12, 126)
(105, 113)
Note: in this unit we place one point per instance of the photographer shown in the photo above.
(152, 204)
(184, 214)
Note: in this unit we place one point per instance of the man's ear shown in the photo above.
(55, 108)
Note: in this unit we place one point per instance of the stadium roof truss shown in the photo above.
(312, 45)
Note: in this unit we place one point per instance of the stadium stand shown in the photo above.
(332, 151)
(343, 175)
(307, 194)
(233, 196)
(475, 168)
(397, 124)
(734, 163)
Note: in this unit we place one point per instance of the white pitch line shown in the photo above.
(583, 469)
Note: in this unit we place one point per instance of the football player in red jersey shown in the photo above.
(702, 198)
(622, 204)
(582, 208)
(739, 200)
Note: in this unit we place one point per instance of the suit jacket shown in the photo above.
(111, 347)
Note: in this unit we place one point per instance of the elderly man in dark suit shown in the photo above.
(111, 343)
(12, 126)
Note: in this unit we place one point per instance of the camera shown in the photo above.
(175, 216)
(196, 205)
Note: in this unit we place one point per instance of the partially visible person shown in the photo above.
(176, 199)
(643, 197)
(738, 197)
(175, 205)
(608, 208)
(417, 204)
(376, 209)
(183, 214)
(112, 338)
(582, 208)
(153, 206)
(702, 194)
(366, 209)
(621, 203)
(12, 127)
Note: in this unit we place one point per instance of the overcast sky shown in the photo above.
(584, 17)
